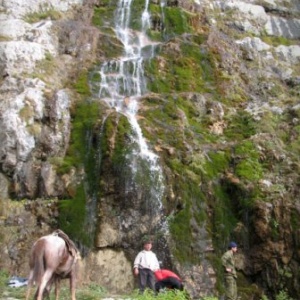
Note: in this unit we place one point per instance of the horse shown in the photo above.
(53, 257)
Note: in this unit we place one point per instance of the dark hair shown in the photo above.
(232, 245)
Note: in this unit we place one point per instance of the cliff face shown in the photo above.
(220, 110)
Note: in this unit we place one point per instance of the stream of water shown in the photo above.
(122, 85)
(122, 80)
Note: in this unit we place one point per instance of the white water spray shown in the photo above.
(123, 84)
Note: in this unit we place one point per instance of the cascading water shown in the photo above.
(122, 85)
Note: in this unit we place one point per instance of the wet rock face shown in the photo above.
(272, 256)
(38, 61)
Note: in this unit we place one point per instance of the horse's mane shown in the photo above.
(70, 244)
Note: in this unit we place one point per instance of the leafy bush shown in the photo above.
(283, 295)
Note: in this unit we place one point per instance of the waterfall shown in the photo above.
(122, 85)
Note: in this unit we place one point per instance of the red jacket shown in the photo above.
(163, 273)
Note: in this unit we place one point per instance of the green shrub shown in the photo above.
(283, 295)
(164, 295)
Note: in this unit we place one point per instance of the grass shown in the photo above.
(4, 38)
(49, 13)
(89, 292)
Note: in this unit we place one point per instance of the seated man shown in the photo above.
(167, 279)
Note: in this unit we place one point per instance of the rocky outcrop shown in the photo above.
(37, 61)
(227, 136)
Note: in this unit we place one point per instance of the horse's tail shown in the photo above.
(37, 264)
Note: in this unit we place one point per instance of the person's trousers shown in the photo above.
(231, 288)
(146, 280)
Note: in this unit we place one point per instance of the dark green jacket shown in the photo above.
(228, 262)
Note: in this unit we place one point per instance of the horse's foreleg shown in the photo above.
(29, 285)
(48, 287)
(57, 287)
(28, 292)
(44, 281)
(72, 285)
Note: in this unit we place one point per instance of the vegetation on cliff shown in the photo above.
(217, 154)
(223, 118)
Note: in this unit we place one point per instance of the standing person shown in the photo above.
(145, 264)
(230, 272)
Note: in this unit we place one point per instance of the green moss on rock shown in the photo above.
(183, 69)
(81, 155)
(181, 231)
(248, 164)
(176, 21)
(81, 85)
(85, 117)
(103, 16)
(72, 217)
(240, 126)
(216, 164)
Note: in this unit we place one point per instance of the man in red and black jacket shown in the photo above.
(167, 279)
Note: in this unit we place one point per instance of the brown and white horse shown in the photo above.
(53, 257)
